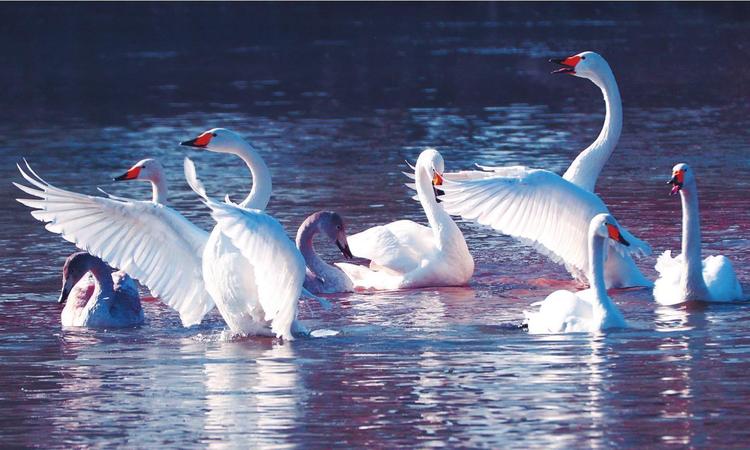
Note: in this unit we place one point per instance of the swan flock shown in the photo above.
(249, 268)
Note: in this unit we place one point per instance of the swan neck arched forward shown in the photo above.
(103, 275)
(586, 168)
(260, 192)
(597, 249)
(305, 236)
(440, 222)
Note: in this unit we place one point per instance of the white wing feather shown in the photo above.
(535, 206)
(278, 265)
(152, 243)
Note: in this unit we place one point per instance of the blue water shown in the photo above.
(335, 97)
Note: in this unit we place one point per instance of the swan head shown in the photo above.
(682, 174)
(219, 140)
(585, 65)
(432, 161)
(606, 226)
(146, 170)
(75, 267)
(332, 225)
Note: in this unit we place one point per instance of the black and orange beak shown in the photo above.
(344, 249)
(677, 180)
(437, 180)
(614, 233)
(131, 174)
(199, 142)
(569, 64)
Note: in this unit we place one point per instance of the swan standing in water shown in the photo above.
(252, 269)
(590, 310)
(146, 239)
(103, 299)
(321, 277)
(687, 277)
(548, 211)
(405, 254)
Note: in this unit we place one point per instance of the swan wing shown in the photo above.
(279, 269)
(153, 243)
(537, 207)
(398, 246)
(721, 280)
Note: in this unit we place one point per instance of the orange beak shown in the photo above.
(569, 64)
(678, 179)
(200, 142)
(131, 174)
(614, 233)
(437, 179)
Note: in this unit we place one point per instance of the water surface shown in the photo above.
(335, 97)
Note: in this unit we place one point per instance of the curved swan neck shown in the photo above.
(305, 236)
(159, 190)
(440, 222)
(260, 192)
(103, 275)
(691, 239)
(586, 167)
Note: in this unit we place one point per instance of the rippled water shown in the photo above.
(335, 97)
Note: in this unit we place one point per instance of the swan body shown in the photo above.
(686, 277)
(542, 209)
(261, 296)
(97, 297)
(586, 311)
(404, 254)
(321, 277)
(146, 239)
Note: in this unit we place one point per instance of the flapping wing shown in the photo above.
(278, 265)
(152, 243)
(535, 206)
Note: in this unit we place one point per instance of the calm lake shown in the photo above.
(335, 97)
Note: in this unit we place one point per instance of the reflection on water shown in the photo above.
(335, 109)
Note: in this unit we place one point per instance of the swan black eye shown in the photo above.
(338, 227)
(583, 57)
(213, 134)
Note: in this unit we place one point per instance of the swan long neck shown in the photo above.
(440, 222)
(305, 235)
(159, 190)
(597, 249)
(586, 168)
(260, 193)
(103, 275)
(691, 240)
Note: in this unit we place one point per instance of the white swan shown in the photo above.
(587, 166)
(321, 277)
(405, 254)
(146, 239)
(590, 310)
(548, 211)
(687, 277)
(95, 296)
(252, 269)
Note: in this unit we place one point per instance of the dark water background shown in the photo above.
(335, 96)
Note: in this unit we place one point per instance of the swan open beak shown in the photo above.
(569, 64)
(131, 174)
(199, 142)
(437, 180)
(614, 233)
(678, 178)
(344, 249)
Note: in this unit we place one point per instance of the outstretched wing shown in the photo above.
(278, 265)
(152, 243)
(535, 206)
